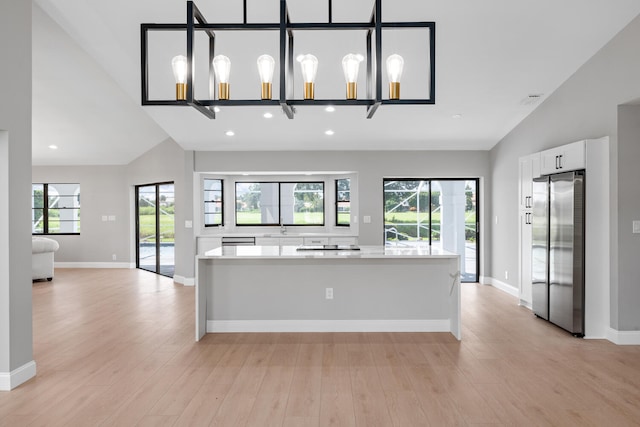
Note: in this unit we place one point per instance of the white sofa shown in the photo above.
(42, 257)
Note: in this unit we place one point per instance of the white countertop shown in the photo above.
(291, 252)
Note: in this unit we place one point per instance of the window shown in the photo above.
(343, 202)
(55, 208)
(435, 212)
(213, 203)
(279, 203)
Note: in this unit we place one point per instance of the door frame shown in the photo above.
(157, 231)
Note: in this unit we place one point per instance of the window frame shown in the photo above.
(280, 222)
(45, 208)
(204, 202)
(338, 201)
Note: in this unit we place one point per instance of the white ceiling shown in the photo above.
(490, 55)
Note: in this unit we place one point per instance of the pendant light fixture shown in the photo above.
(179, 65)
(350, 65)
(222, 68)
(373, 31)
(309, 65)
(395, 65)
(266, 65)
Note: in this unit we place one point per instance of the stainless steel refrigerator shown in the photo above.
(558, 250)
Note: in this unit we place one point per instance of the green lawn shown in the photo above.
(412, 217)
(148, 228)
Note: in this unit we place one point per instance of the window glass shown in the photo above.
(56, 208)
(213, 202)
(279, 203)
(343, 202)
(257, 203)
(302, 203)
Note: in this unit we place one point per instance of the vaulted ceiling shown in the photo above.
(491, 56)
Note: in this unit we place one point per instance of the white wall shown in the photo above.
(371, 167)
(103, 191)
(585, 106)
(16, 342)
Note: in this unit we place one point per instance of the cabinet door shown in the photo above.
(573, 156)
(525, 181)
(525, 257)
(563, 159)
(343, 241)
(291, 241)
(316, 240)
(267, 241)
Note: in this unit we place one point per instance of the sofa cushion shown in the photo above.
(42, 244)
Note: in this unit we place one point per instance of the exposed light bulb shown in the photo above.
(395, 65)
(350, 65)
(179, 65)
(266, 65)
(309, 66)
(222, 69)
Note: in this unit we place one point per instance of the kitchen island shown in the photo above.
(284, 289)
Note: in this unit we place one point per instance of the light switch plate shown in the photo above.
(636, 227)
(112, 217)
(188, 224)
(105, 218)
(366, 219)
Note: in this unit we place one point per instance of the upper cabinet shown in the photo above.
(529, 169)
(563, 159)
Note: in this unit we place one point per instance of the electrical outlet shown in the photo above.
(328, 293)
(113, 257)
(506, 275)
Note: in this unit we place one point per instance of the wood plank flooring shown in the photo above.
(116, 348)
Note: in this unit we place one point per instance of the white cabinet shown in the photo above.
(346, 241)
(267, 241)
(529, 168)
(291, 241)
(316, 240)
(205, 244)
(525, 232)
(563, 159)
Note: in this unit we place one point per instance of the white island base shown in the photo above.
(282, 289)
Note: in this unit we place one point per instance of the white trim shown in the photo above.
(328, 326)
(623, 337)
(94, 265)
(525, 304)
(504, 287)
(11, 380)
(484, 280)
(185, 281)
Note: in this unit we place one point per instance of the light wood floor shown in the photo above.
(116, 348)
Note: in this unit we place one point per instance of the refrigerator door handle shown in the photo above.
(557, 159)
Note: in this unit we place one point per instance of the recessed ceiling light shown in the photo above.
(216, 109)
(456, 116)
(330, 109)
(267, 115)
(53, 147)
(329, 132)
(230, 133)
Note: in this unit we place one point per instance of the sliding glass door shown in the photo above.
(440, 213)
(155, 228)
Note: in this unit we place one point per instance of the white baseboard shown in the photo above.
(328, 326)
(525, 304)
(185, 281)
(504, 287)
(11, 380)
(94, 265)
(623, 337)
(484, 280)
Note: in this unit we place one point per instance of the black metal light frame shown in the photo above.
(197, 22)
